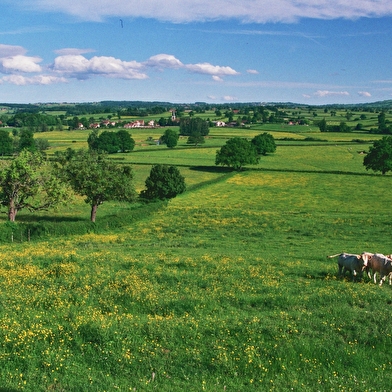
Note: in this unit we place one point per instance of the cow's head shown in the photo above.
(365, 256)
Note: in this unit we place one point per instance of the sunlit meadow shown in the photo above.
(226, 288)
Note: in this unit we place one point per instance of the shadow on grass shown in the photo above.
(7, 390)
(56, 219)
(212, 169)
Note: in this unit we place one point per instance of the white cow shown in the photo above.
(351, 262)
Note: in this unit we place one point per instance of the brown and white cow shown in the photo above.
(377, 262)
(351, 262)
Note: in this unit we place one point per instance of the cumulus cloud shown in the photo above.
(162, 61)
(364, 94)
(252, 71)
(72, 63)
(260, 11)
(80, 67)
(20, 63)
(326, 93)
(209, 69)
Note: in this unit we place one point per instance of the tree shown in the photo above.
(6, 143)
(92, 175)
(264, 143)
(236, 153)
(125, 140)
(189, 126)
(164, 182)
(170, 138)
(323, 125)
(29, 181)
(196, 138)
(26, 140)
(379, 157)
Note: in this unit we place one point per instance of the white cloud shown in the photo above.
(229, 98)
(72, 51)
(162, 60)
(364, 94)
(10, 50)
(252, 71)
(20, 63)
(260, 11)
(209, 69)
(21, 80)
(80, 67)
(326, 93)
(217, 78)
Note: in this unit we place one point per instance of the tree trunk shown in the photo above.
(94, 208)
(12, 210)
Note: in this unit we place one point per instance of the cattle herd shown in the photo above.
(371, 263)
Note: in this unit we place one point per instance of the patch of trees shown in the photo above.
(195, 128)
(35, 121)
(239, 152)
(325, 127)
(20, 140)
(111, 142)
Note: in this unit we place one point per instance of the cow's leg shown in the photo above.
(382, 278)
(375, 277)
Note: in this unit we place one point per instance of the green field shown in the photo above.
(225, 288)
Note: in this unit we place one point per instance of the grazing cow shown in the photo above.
(382, 264)
(350, 262)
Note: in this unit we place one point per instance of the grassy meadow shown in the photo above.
(225, 288)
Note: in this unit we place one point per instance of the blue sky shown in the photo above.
(304, 51)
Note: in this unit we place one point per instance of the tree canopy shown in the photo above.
(170, 138)
(111, 142)
(29, 181)
(236, 153)
(164, 182)
(191, 125)
(379, 157)
(264, 143)
(93, 175)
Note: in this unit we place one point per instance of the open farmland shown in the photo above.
(225, 288)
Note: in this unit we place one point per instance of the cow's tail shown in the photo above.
(330, 257)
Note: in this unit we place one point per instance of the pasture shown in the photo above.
(225, 288)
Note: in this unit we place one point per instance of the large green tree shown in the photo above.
(379, 157)
(236, 153)
(29, 181)
(264, 143)
(92, 175)
(191, 125)
(164, 182)
(170, 138)
(6, 143)
(26, 141)
(125, 141)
